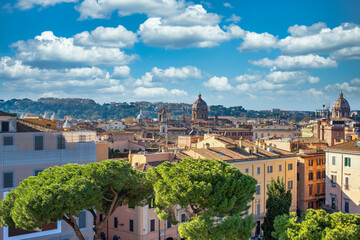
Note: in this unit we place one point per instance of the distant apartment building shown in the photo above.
(142, 223)
(27, 148)
(121, 141)
(235, 133)
(254, 158)
(275, 130)
(342, 177)
(311, 180)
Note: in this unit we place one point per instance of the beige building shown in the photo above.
(142, 223)
(27, 148)
(275, 130)
(342, 177)
(256, 159)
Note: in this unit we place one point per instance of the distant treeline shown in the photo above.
(80, 108)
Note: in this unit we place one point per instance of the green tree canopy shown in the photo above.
(60, 193)
(208, 189)
(317, 225)
(278, 203)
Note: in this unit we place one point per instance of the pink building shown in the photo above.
(26, 150)
(121, 141)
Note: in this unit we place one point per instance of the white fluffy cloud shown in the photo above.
(104, 8)
(352, 86)
(248, 78)
(257, 41)
(309, 61)
(228, 5)
(155, 33)
(47, 49)
(351, 53)
(319, 39)
(296, 77)
(118, 37)
(171, 73)
(28, 4)
(194, 15)
(233, 18)
(121, 72)
(218, 84)
(158, 92)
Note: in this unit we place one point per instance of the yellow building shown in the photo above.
(256, 159)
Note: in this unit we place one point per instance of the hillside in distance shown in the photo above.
(81, 108)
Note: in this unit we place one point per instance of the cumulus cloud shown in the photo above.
(28, 4)
(309, 61)
(312, 92)
(49, 50)
(218, 84)
(154, 33)
(248, 78)
(104, 8)
(296, 77)
(257, 41)
(319, 39)
(351, 53)
(228, 5)
(180, 73)
(171, 73)
(118, 37)
(121, 72)
(262, 85)
(233, 18)
(352, 86)
(158, 92)
(193, 15)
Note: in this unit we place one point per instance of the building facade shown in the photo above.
(277, 130)
(25, 151)
(342, 177)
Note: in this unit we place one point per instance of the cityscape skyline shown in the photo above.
(292, 56)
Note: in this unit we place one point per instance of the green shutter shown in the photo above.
(349, 162)
(345, 162)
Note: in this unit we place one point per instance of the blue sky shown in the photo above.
(257, 54)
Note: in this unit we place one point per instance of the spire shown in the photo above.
(199, 95)
(341, 94)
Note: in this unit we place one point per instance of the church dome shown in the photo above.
(141, 115)
(341, 104)
(200, 104)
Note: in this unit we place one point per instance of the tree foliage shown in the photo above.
(60, 193)
(317, 225)
(209, 189)
(278, 203)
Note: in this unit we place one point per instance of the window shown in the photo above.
(347, 206)
(100, 217)
(311, 162)
(116, 222)
(298, 176)
(290, 166)
(323, 187)
(247, 170)
(323, 161)
(311, 176)
(323, 175)
(60, 142)
(37, 171)
(270, 169)
(347, 187)
(183, 217)
(318, 175)
(318, 188)
(333, 201)
(39, 143)
(8, 140)
(333, 162)
(8, 179)
(258, 170)
(333, 180)
(82, 138)
(310, 204)
(318, 161)
(257, 190)
(5, 127)
(152, 225)
(258, 208)
(347, 162)
(290, 184)
(280, 168)
(132, 207)
(82, 219)
(168, 224)
(131, 225)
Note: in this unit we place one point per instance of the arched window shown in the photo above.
(115, 237)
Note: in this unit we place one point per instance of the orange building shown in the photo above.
(311, 180)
